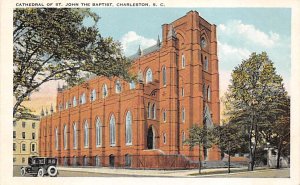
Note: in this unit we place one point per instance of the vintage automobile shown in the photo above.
(40, 166)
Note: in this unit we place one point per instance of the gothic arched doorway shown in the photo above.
(151, 138)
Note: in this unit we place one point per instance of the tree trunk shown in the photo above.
(199, 158)
(278, 156)
(229, 159)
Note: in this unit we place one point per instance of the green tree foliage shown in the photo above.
(202, 137)
(229, 138)
(252, 100)
(54, 43)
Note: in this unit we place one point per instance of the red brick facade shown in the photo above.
(188, 56)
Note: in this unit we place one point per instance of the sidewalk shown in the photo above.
(152, 173)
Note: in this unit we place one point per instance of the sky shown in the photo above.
(240, 31)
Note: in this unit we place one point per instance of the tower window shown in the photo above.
(182, 61)
(164, 76)
(205, 63)
(203, 42)
(164, 116)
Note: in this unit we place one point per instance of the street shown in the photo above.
(266, 173)
(269, 173)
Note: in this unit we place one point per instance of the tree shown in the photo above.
(201, 136)
(280, 135)
(229, 139)
(251, 97)
(54, 43)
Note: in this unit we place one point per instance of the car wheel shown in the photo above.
(41, 172)
(23, 171)
(52, 171)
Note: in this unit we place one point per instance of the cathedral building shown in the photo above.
(111, 122)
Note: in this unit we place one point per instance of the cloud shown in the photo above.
(131, 41)
(248, 34)
(230, 56)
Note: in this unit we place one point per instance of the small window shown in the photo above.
(164, 138)
(23, 124)
(23, 135)
(23, 147)
(149, 77)
(182, 91)
(183, 138)
(33, 125)
(164, 116)
(33, 147)
(208, 94)
(14, 146)
(149, 110)
(131, 85)
(23, 159)
(93, 95)
(164, 76)
(14, 134)
(205, 64)
(14, 123)
(83, 99)
(14, 160)
(118, 87)
(104, 91)
(33, 135)
(74, 101)
(67, 105)
(153, 111)
(183, 114)
(182, 61)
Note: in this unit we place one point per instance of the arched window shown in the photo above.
(74, 101)
(132, 85)
(164, 116)
(153, 111)
(182, 61)
(149, 110)
(205, 63)
(74, 161)
(208, 93)
(93, 95)
(118, 86)
(98, 132)
(203, 42)
(128, 128)
(67, 104)
(183, 114)
(97, 160)
(83, 99)
(164, 75)
(112, 128)
(56, 138)
(86, 134)
(128, 160)
(104, 91)
(149, 77)
(65, 137)
(74, 136)
(164, 138)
